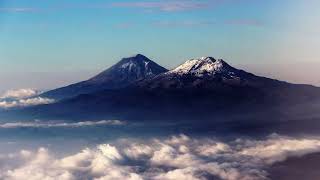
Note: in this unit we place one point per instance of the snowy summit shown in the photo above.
(201, 66)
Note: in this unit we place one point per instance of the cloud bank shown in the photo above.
(178, 157)
(19, 93)
(22, 98)
(25, 102)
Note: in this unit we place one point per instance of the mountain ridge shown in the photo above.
(203, 89)
(206, 71)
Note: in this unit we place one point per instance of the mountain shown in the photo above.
(122, 74)
(203, 90)
(220, 78)
(207, 72)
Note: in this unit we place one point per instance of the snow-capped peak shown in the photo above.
(138, 64)
(130, 69)
(201, 66)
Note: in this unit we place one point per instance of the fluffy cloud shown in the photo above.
(179, 157)
(101, 164)
(275, 149)
(25, 102)
(39, 124)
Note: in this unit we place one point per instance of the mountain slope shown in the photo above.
(122, 74)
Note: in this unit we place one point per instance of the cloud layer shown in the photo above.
(25, 102)
(178, 157)
(22, 98)
(19, 93)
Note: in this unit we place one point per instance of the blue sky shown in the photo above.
(49, 43)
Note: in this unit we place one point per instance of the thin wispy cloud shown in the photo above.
(204, 23)
(166, 6)
(40, 124)
(245, 22)
(25, 102)
(125, 25)
(183, 23)
(161, 6)
(19, 9)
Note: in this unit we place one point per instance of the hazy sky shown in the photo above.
(49, 43)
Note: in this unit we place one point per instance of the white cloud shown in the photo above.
(211, 149)
(170, 156)
(87, 164)
(19, 93)
(39, 124)
(160, 159)
(138, 150)
(186, 174)
(25, 102)
(35, 101)
(276, 149)
(8, 104)
(22, 98)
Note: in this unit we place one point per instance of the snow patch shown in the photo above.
(200, 67)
